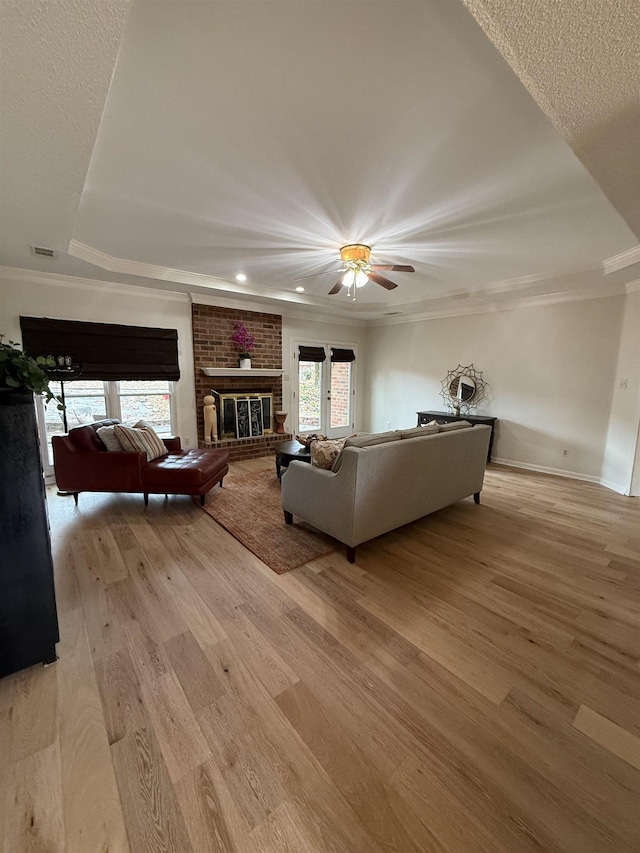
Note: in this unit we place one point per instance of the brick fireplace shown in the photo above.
(213, 348)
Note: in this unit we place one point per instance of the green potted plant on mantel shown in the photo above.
(20, 373)
(245, 343)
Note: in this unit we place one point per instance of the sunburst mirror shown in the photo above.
(463, 388)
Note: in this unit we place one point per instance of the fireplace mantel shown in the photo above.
(237, 371)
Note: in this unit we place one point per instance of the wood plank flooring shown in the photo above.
(470, 685)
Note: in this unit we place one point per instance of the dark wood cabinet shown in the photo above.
(28, 616)
(448, 417)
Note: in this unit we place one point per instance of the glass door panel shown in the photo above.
(310, 396)
(340, 395)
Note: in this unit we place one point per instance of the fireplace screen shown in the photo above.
(245, 415)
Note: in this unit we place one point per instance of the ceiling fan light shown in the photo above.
(361, 278)
(348, 278)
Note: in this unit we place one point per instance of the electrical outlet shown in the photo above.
(388, 424)
(624, 383)
(186, 443)
(565, 452)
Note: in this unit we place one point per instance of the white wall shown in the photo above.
(622, 437)
(550, 372)
(321, 331)
(94, 301)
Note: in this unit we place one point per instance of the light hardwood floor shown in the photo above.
(470, 685)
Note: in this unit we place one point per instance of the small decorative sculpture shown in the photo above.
(210, 419)
(280, 419)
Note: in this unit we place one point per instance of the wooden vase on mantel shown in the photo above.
(245, 364)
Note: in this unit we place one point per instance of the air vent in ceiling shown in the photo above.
(43, 251)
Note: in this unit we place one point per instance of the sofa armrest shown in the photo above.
(173, 445)
(322, 498)
(80, 471)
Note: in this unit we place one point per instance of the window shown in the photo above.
(147, 401)
(90, 400)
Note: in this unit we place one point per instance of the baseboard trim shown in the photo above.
(542, 469)
(559, 472)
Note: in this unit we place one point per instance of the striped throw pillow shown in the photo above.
(141, 439)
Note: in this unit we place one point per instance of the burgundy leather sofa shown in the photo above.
(82, 464)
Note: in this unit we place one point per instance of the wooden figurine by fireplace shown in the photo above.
(245, 415)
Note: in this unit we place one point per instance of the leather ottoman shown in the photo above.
(188, 472)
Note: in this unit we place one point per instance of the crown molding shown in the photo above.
(558, 289)
(518, 302)
(297, 313)
(49, 279)
(244, 292)
(622, 260)
(142, 269)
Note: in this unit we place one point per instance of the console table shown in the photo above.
(448, 417)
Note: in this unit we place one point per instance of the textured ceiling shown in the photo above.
(174, 143)
(56, 63)
(580, 59)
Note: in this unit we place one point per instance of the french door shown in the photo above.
(324, 394)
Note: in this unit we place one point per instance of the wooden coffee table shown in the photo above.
(287, 452)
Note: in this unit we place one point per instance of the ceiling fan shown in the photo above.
(358, 270)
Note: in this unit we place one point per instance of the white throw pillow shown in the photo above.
(109, 438)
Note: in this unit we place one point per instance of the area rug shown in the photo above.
(249, 507)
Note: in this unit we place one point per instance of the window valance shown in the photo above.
(106, 351)
(342, 354)
(311, 353)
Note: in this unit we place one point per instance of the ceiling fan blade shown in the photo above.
(393, 267)
(337, 287)
(381, 280)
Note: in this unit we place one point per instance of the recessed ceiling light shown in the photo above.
(299, 289)
(241, 277)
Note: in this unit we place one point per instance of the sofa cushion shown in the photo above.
(108, 437)
(85, 438)
(325, 453)
(427, 429)
(140, 439)
(366, 439)
(371, 438)
(188, 468)
(454, 425)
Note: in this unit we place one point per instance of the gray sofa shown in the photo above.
(384, 480)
